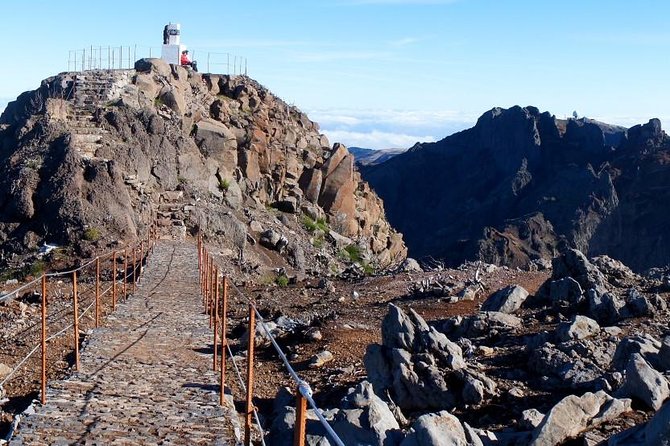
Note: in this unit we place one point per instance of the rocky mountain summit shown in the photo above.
(95, 157)
(520, 184)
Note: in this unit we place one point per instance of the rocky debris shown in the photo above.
(645, 345)
(440, 429)
(641, 381)
(489, 324)
(320, 359)
(580, 327)
(573, 415)
(530, 419)
(421, 368)
(409, 265)
(580, 286)
(364, 418)
(272, 239)
(663, 355)
(507, 300)
(654, 432)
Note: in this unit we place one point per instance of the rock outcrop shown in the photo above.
(117, 151)
(517, 184)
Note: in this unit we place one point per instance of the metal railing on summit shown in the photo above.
(67, 319)
(213, 286)
(123, 57)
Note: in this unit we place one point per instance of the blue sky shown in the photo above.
(384, 73)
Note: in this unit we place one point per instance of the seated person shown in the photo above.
(186, 62)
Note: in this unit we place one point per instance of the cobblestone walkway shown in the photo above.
(146, 376)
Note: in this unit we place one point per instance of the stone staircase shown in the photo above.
(172, 213)
(92, 91)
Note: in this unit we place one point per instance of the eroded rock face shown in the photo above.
(509, 189)
(225, 141)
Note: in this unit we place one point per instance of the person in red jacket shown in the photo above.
(186, 62)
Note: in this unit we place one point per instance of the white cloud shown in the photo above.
(386, 129)
(390, 118)
(376, 139)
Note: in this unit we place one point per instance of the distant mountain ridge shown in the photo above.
(520, 184)
(371, 157)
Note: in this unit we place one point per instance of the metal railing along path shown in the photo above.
(213, 286)
(96, 296)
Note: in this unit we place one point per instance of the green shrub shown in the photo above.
(352, 253)
(281, 280)
(313, 225)
(224, 184)
(92, 234)
(37, 268)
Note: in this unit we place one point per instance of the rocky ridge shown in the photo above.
(520, 184)
(91, 158)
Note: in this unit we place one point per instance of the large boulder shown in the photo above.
(573, 415)
(507, 300)
(644, 383)
(440, 429)
(580, 327)
(365, 419)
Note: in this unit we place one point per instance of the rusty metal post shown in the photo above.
(205, 273)
(224, 338)
(142, 257)
(134, 268)
(44, 339)
(300, 429)
(125, 273)
(216, 317)
(75, 299)
(249, 408)
(114, 281)
(210, 305)
(97, 292)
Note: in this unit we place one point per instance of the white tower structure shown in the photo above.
(171, 51)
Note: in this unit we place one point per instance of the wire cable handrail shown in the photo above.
(44, 276)
(303, 386)
(206, 263)
(244, 389)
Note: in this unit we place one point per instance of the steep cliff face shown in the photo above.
(115, 151)
(512, 187)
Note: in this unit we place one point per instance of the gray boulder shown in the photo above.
(507, 300)
(573, 263)
(365, 419)
(663, 359)
(644, 383)
(580, 327)
(646, 345)
(573, 415)
(400, 330)
(273, 240)
(606, 308)
(487, 323)
(566, 294)
(440, 429)
(563, 366)
(655, 432)
(409, 265)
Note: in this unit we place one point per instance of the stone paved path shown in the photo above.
(146, 376)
